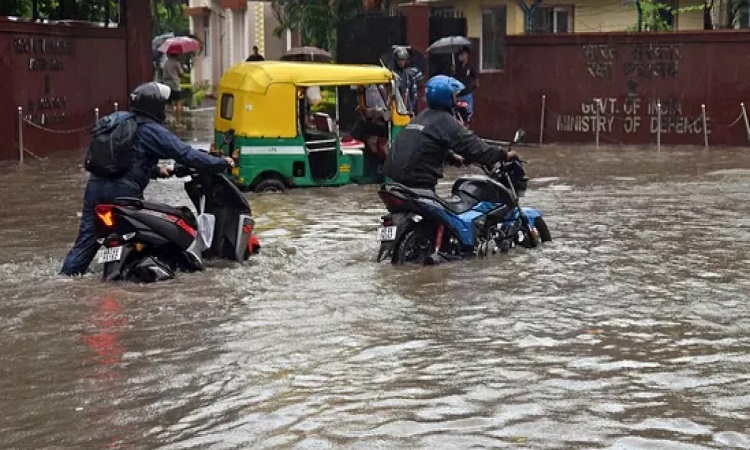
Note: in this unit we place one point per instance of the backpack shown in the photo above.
(110, 153)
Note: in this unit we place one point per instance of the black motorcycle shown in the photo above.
(146, 242)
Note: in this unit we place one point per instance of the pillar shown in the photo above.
(136, 18)
(418, 35)
(417, 25)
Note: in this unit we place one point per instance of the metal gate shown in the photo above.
(362, 40)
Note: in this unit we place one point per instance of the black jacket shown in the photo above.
(419, 152)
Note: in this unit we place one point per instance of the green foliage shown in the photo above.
(328, 102)
(167, 16)
(651, 15)
(193, 94)
(317, 20)
(87, 10)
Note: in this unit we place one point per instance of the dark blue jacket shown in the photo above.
(154, 142)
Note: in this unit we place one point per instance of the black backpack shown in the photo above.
(110, 152)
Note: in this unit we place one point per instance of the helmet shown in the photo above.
(400, 53)
(441, 91)
(151, 99)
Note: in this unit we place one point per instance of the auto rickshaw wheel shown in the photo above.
(270, 185)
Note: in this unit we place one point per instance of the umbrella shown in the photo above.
(416, 59)
(307, 54)
(180, 44)
(158, 40)
(449, 44)
(156, 43)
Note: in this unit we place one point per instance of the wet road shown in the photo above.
(631, 330)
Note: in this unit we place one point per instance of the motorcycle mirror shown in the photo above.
(519, 135)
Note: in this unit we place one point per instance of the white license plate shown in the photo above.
(387, 233)
(111, 254)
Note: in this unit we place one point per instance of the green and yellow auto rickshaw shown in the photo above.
(269, 119)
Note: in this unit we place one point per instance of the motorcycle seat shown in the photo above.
(456, 204)
(182, 212)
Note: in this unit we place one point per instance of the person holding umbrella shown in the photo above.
(173, 72)
(467, 75)
(463, 71)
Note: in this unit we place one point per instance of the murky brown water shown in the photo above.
(632, 330)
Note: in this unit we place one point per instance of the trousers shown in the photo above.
(98, 191)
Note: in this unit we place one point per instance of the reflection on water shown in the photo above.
(629, 331)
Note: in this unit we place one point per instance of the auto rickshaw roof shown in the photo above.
(257, 76)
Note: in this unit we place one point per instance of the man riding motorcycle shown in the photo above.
(152, 143)
(418, 154)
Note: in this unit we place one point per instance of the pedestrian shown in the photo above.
(173, 72)
(255, 56)
(407, 82)
(467, 75)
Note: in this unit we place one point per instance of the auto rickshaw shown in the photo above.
(264, 121)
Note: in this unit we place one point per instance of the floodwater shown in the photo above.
(630, 330)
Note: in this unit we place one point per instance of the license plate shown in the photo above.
(387, 233)
(111, 254)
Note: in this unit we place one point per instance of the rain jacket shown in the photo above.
(421, 149)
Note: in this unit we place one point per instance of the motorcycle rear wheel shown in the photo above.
(415, 246)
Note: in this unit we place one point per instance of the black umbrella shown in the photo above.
(449, 45)
(156, 43)
(307, 54)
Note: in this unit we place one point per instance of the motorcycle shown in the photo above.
(482, 214)
(146, 242)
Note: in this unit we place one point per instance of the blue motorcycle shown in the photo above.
(482, 215)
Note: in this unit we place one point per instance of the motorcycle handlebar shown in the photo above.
(181, 170)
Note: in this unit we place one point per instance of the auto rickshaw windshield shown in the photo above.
(376, 97)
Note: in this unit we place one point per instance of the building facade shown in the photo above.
(229, 29)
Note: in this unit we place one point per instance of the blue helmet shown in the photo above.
(440, 90)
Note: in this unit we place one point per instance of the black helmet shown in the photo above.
(151, 99)
(400, 53)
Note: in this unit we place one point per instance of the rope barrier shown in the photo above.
(38, 158)
(24, 120)
(50, 130)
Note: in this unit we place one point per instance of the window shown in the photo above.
(493, 38)
(744, 14)
(553, 19)
(374, 97)
(206, 35)
(227, 106)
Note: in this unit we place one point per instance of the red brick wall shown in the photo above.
(58, 74)
(630, 73)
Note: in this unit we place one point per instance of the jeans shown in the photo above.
(97, 191)
(469, 99)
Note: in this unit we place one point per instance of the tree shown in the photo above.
(88, 10)
(316, 20)
(652, 15)
(168, 17)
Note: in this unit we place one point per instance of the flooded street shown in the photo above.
(630, 330)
